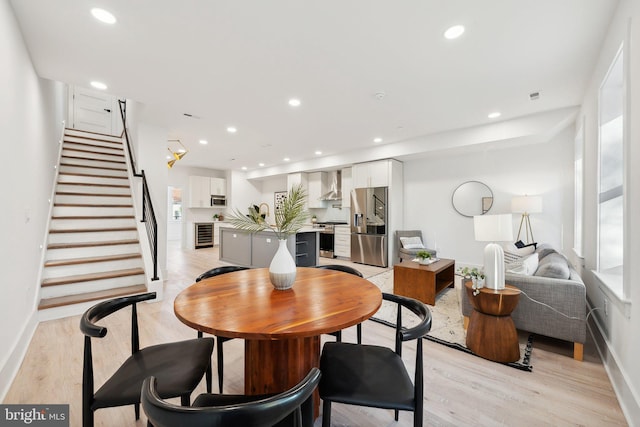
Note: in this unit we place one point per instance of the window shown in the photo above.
(611, 177)
(578, 171)
(175, 203)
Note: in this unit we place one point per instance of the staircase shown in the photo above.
(93, 251)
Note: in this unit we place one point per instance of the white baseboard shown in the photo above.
(628, 398)
(11, 365)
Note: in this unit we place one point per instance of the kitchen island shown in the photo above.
(248, 249)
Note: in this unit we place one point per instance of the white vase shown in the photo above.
(282, 270)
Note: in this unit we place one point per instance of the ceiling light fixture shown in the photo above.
(318, 153)
(294, 102)
(377, 140)
(103, 16)
(494, 115)
(244, 168)
(454, 32)
(286, 159)
(204, 142)
(178, 153)
(98, 85)
(231, 129)
(261, 164)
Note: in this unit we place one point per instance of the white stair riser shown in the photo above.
(97, 200)
(62, 178)
(92, 139)
(91, 286)
(94, 162)
(92, 237)
(104, 149)
(74, 224)
(71, 188)
(91, 171)
(90, 211)
(89, 268)
(70, 253)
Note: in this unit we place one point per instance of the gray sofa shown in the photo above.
(559, 309)
(406, 253)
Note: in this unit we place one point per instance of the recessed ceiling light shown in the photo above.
(103, 16)
(376, 140)
(231, 129)
(294, 102)
(244, 168)
(169, 157)
(494, 115)
(99, 85)
(286, 159)
(454, 32)
(204, 142)
(260, 164)
(318, 153)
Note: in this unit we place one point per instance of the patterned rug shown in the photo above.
(447, 320)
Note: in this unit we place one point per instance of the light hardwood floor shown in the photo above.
(460, 389)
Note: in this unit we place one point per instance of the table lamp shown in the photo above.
(526, 205)
(493, 228)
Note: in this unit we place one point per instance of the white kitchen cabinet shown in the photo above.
(371, 174)
(216, 232)
(346, 185)
(199, 195)
(317, 186)
(342, 241)
(202, 187)
(218, 186)
(299, 178)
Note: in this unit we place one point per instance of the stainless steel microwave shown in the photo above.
(218, 200)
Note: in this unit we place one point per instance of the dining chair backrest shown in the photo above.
(262, 412)
(340, 267)
(220, 270)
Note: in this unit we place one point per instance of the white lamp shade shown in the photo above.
(526, 204)
(493, 228)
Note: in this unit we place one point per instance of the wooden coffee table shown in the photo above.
(423, 282)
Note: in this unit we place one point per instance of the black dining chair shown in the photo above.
(179, 366)
(291, 408)
(375, 376)
(350, 270)
(220, 340)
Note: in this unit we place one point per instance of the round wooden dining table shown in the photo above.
(281, 329)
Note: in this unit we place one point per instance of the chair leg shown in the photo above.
(185, 399)
(326, 413)
(359, 332)
(87, 417)
(339, 336)
(209, 377)
(136, 407)
(220, 364)
(397, 414)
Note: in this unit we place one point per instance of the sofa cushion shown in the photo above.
(412, 242)
(553, 265)
(543, 250)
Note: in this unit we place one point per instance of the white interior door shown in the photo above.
(94, 111)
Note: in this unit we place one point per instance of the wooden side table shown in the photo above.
(423, 282)
(491, 333)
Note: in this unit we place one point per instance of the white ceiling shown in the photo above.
(236, 63)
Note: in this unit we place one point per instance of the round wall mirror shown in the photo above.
(472, 198)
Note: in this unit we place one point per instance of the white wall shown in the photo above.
(618, 335)
(31, 114)
(540, 169)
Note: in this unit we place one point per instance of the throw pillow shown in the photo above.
(412, 242)
(554, 266)
(544, 249)
(527, 265)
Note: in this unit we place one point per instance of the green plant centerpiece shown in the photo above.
(423, 257)
(290, 217)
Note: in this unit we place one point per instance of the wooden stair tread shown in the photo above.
(94, 217)
(90, 175)
(92, 138)
(91, 296)
(86, 144)
(92, 244)
(93, 159)
(100, 153)
(91, 276)
(93, 184)
(93, 167)
(88, 260)
(91, 205)
(91, 230)
(73, 193)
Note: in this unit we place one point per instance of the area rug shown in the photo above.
(447, 320)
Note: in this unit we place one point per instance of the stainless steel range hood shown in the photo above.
(335, 191)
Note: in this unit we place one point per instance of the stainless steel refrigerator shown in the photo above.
(369, 226)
